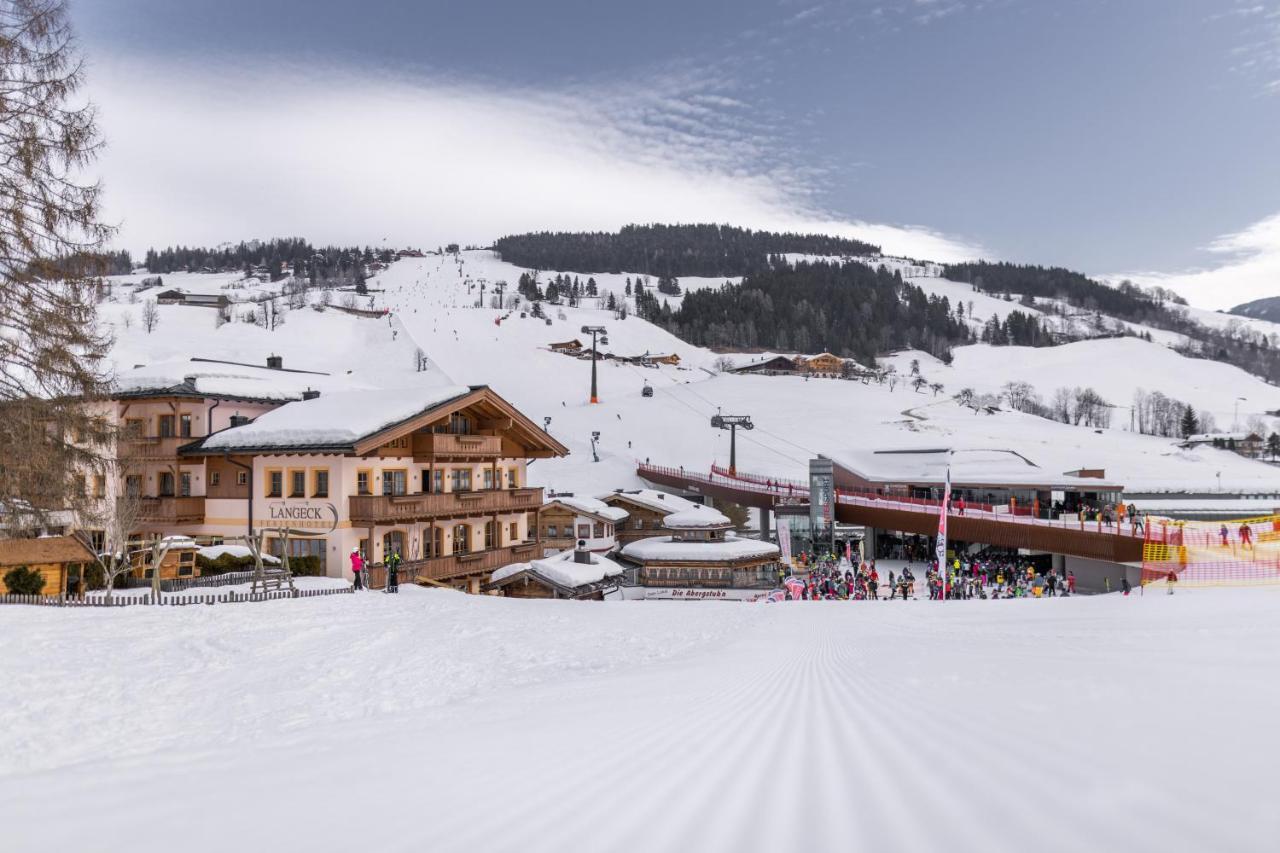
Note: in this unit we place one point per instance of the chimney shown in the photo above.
(240, 420)
(275, 362)
(581, 554)
(190, 379)
(309, 394)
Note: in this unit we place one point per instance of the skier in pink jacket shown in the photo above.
(357, 568)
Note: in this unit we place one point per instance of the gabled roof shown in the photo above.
(199, 388)
(590, 507)
(359, 422)
(50, 549)
(651, 499)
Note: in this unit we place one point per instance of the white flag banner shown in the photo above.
(784, 542)
(941, 551)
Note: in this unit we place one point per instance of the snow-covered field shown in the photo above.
(437, 721)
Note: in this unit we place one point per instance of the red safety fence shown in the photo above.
(1213, 553)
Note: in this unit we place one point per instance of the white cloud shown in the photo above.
(1250, 269)
(201, 155)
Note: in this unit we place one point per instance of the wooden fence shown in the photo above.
(171, 601)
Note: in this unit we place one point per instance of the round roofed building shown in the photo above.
(702, 550)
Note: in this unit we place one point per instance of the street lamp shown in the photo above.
(731, 423)
(593, 331)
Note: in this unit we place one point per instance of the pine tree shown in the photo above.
(1189, 425)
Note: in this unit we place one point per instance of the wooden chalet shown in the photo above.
(778, 365)
(572, 346)
(436, 475)
(646, 510)
(577, 574)
(53, 557)
(701, 550)
(568, 520)
(823, 364)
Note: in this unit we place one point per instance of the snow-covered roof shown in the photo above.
(564, 570)
(664, 548)
(178, 541)
(696, 517)
(1208, 437)
(143, 381)
(337, 419)
(590, 506)
(652, 499)
(978, 467)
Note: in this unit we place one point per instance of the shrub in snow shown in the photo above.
(23, 581)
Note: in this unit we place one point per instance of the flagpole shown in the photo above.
(941, 549)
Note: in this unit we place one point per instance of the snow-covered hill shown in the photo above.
(434, 304)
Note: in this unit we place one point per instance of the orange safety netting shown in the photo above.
(1212, 553)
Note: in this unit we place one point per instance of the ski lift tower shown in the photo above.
(732, 423)
(593, 331)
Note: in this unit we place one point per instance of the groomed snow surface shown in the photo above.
(437, 721)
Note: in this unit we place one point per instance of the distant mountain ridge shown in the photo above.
(1267, 308)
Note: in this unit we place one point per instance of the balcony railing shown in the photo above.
(153, 447)
(432, 445)
(378, 509)
(457, 565)
(172, 509)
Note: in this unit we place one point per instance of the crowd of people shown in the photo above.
(830, 578)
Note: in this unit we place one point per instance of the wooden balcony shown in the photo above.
(172, 510)
(429, 446)
(153, 448)
(391, 509)
(459, 565)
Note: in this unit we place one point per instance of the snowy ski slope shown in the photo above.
(432, 303)
(437, 721)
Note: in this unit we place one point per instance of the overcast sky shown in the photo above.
(1112, 136)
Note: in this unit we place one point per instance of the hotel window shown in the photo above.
(166, 484)
(461, 539)
(99, 486)
(433, 545)
(320, 488)
(551, 531)
(513, 533)
(133, 427)
(599, 529)
(461, 479)
(275, 483)
(362, 483)
(487, 479)
(184, 484)
(513, 478)
(437, 481)
(459, 424)
(186, 564)
(133, 485)
(490, 530)
(215, 478)
(395, 481)
(242, 478)
(82, 486)
(298, 483)
(584, 531)
(184, 426)
(164, 426)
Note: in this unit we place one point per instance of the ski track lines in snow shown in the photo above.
(434, 721)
